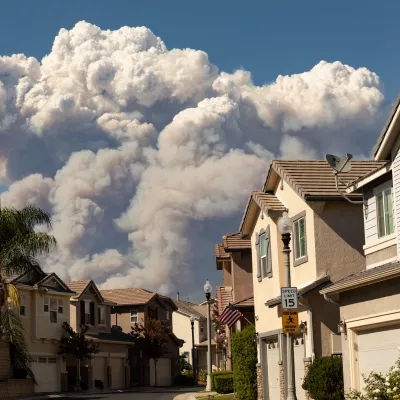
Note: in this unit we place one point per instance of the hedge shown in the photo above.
(244, 352)
(324, 379)
(218, 373)
(223, 383)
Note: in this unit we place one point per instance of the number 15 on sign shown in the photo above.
(289, 298)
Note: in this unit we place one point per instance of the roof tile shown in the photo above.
(129, 296)
(220, 251)
(234, 241)
(224, 296)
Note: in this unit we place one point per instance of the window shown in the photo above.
(300, 249)
(167, 315)
(153, 314)
(87, 313)
(42, 360)
(46, 304)
(22, 305)
(60, 306)
(385, 212)
(51, 360)
(53, 310)
(134, 316)
(101, 316)
(202, 328)
(263, 254)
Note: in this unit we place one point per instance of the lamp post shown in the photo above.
(207, 291)
(193, 351)
(285, 226)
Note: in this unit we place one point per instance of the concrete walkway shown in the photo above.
(194, 396)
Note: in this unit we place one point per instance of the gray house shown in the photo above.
(370, 300)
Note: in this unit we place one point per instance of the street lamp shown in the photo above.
(207, 291)
(285, 226)
(193, 351)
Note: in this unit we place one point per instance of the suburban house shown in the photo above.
(233, 258)
(182, 328)
(110, 365)
(132, 306)
(327, 245)
(44, 307)
(370, 299)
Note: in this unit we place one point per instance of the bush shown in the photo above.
(324, 379)
(184, 380)
(202, 375)
(218, 373)
(244, 351)
(223, 383)
(184, 364)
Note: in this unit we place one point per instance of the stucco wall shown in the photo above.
(227, 273)
(242, 275)
(123, 319)
(339, 238)
(381, 255)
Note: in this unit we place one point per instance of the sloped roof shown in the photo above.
(248, 302)
(78, 286)
(220, 251)
(224, 296)
(315, 178)
(267, 201)
(234, 241)
(190, 309)
(128, 296)
(110, 336)
(366, 277)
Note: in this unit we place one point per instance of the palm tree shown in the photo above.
(20, 245)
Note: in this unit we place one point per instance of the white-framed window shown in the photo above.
(42, 360)
(22, 305)
(53, 310)
(134, 316)
(60, 306)
(299, 234)
(263, 254)
(384, 212)
(46, 302)
(87, 313)
(51, 360)
(101, 316)
(167, 315)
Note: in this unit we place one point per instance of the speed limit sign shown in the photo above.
(289, 298)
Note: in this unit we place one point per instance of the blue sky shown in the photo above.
(265, 37)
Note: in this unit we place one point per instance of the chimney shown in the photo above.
(177, 296)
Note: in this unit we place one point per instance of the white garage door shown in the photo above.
(377, 349)
(46, 373)
(299, 368)
(99, 369)
(164, 377)
(273, 369)
(117, 373)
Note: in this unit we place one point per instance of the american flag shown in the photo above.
(230, 316)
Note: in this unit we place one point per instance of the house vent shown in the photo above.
(336, 344)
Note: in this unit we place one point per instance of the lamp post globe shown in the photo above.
(208, 291)
(285, 224)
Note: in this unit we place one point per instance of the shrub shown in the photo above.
(244, 351)
(184, 364)
(202, 375)
(324, 379)
(223, 383)
(218, 373)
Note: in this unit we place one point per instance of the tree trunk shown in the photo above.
(78, 376)
(155, 371)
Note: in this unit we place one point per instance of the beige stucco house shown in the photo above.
(326, 245)
(110, 365)
(233, 257)
(44, 307)
(133, 305)
(370, 300)
(182, 328)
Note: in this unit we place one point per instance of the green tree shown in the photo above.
(151, 336)
(76, 344)
(244, 352)
(20, 245)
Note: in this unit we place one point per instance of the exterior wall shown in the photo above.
(396, 188)
(123, 319)
(227, 273)
(5, 362)
(339, 230)
(380, 256)
(242, 278)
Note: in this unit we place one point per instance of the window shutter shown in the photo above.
(82, 312)
(259, 277)
(92, 313)
(269, 259)
(98, 315)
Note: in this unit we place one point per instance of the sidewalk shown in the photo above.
(194, 395)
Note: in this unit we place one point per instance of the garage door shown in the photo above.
(299, 368)
(117, 373)
(273, 369)
(99, 369)
(164, 377)
(46, 373)
(377, 349)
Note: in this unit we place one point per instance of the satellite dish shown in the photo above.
(339, 164)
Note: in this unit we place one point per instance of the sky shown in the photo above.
(137, 141)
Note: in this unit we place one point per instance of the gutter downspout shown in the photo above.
(311, 329)
(329, 300)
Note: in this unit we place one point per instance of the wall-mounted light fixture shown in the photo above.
(256, 338)
(303, 326)
(342, 327)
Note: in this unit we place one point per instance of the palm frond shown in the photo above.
(13, 295)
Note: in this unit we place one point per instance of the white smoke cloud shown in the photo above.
(127, 143)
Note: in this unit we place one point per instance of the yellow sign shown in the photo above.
(290, 321)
